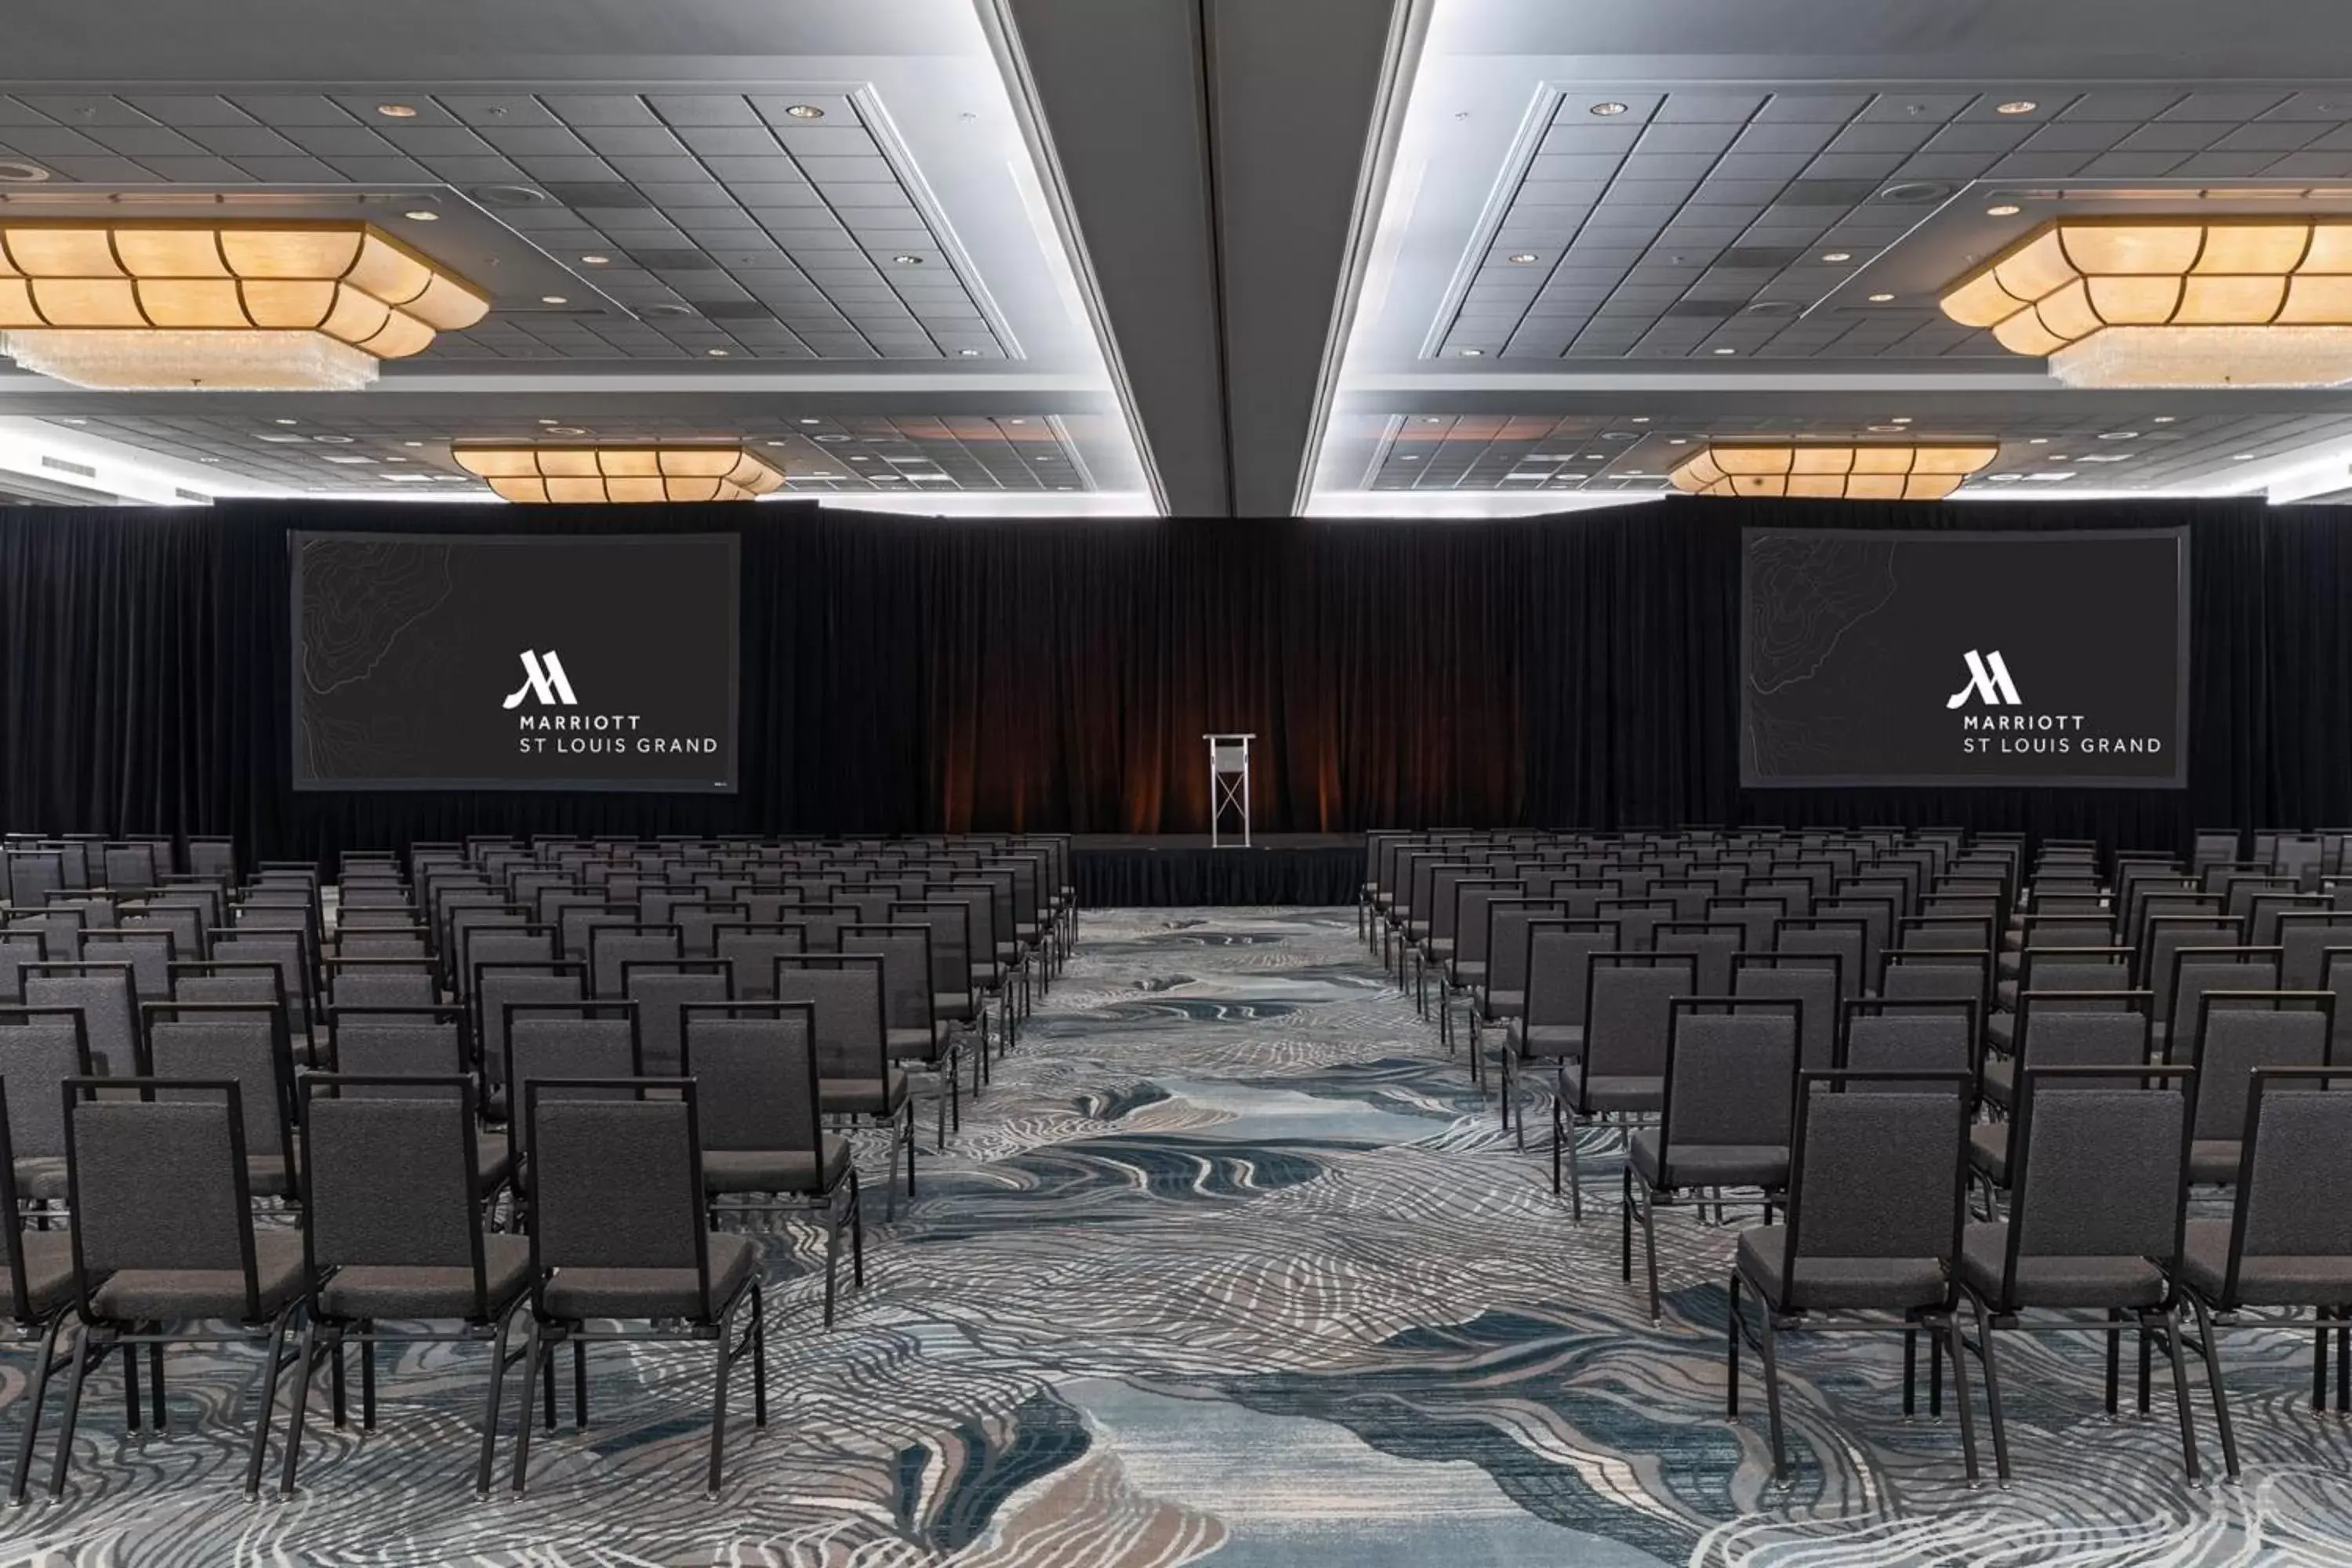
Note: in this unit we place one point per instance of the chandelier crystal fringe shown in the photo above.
(2170, 302)
(619, 473)
(169, 305)
(1892, 471)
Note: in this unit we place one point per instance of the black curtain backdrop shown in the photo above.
(904, 675)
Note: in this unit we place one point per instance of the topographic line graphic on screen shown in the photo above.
(1803, 594)
(358, 597)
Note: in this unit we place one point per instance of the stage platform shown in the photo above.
(1132, 870)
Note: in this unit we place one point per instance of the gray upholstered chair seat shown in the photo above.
(915, 1045)
(493, 1157)
(1999, 1081)
(2013, 963)
(1466, 970)
(951, 1004)
(1545, 1042)
(2005, 993)
(1638, 1093)
(49, 1269)
(775, 1170)
(864, 1096)
(1849, 1284)
(2214, 1159)
(2056, 1281)
(177, 1295)
(1439, 948)
(1710, 1165)
(270, 1176)
(1988, 1151)
(1506, 1004)
(2001, 1030)
(577, 1293)
(381, 1292)
(2270, 1280)
(41, 1177)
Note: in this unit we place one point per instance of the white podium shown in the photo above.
(1229, 789)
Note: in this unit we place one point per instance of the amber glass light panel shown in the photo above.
(636, 473)
(1874, 472)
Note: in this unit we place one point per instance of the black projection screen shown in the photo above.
(514, 661)
(1948, 657)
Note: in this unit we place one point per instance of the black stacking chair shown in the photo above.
(1923, 1035)
(917, 1039)
(764, 1144)
(2238, 1033)
(1731, 1073)
(1874, 1233)
(1623, 1068)
(1812, 980)
(223, 1040)
(40, 1288)
(619, 1231)
(41, 1047)
(2056, 1028)
(2287, 1243)
(1549, 1029)
(164, 1243)
(2099, 1187)
(393, 1231)
(854, 1073)
(381, 1046)
(557, 1040)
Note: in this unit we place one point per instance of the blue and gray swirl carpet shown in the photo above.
(1230, 1265)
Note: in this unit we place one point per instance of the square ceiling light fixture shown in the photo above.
(2172, 302)
(1892, 471)
(619, 473)
(161, 306)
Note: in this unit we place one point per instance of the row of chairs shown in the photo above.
(33, 864)
(1698, 1036)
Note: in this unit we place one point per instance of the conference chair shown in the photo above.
(41, 1047)
(917, 1040)
(856, 1076)
(392, 1232)
(1730, 1078)
(764, 1146)
(20, 947)
(1874, 1230)
(2098, 1193)
(389, 1045)
(1622, 1068)
(1811, 980)
(661, 987)
(108, 1003)
(40, 1286)
(2237, 1034)
(1550, 1027)
(618, 1232)
(227, 1042)
(164, 1243)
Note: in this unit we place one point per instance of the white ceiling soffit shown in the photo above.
(1620, 223)
(780, 223)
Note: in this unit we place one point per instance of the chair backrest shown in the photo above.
(697, 924)
(502, 987)
(1757, 918)
(905, 954)
(754, 950)
(1712, 945)
(148, 953)
(2303, 939)
(1507, 939)
(610, 947)
(1944, 934)
(2294, 1194)
(555, 1044)
(18, 947)
(1939, 977)
(1637, 918)
(1877, 1175)
(1847, 938)
(1879, 1036)
(381, 1044)
(756, 1063)
(1627, 1015)
(1812, 979)
(660, 987)
(2083, 1028)
(617, 1180)
(222, 1041)
(2100, 1168)
(381, 983)
(1559, 965)
(2076, 969)
(2164, 934)
(109, 1007)
(2238, 1033)
(41, 1047)
(1731, 1072)
(158, 1182)
(2197, 970)
(391, 1179)
(1473, 897)
(504, 944)
(845, 990)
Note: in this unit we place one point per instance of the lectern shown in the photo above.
(1229, 789)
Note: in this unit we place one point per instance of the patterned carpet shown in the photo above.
(1230, 1264)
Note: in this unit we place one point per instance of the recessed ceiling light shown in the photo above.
(421, 216)
(903, 259)
(1409, 457)
(2241, 457)
(2018, 106)
(1640, 419)
(595, 260)
(775, 443)
(885, 478)
(716, 354)
(1727, 350)
(286, 422)
(1881, 298)
(1472, 353)
(860, 457)
(547, 422)
(2004, 479)
(1606, 110)
(396, 459)
(2047, 478)
(967, 353)
(553, 300)
(2118, 434)
(16, 171)
(2003, 209)
(1837, 256)
(73, 422)
(2161, 419)
(1676, 441)
(396, 111)
(566, 430)
(1522, 257)
(824, 476)
(1016, 422)
(2054, 457)
(805, 111)
(332, 440)
(1432, 419)
(1899, 420)
(2038, 441)
(412, 443)
(1885, 429)
(833, 438)
(808, 421)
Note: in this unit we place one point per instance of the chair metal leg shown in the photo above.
(130, 1388)
(267, 1405)
(2319, 1368)
(1626, 1226)
(1731, 1350)
(759, 1357)
(1910, 1373)
(1993, 1389)
(2115, 1358)
(1935, 1385)
(335, 1372)
(907, 1136)
(500, 1356)
(298, 1404)
(367, 1379)
(2167, 1324)
(719, 1403)
(1575, 1172)
(856, 1233)
(831, 1260)
(579, 1383)
(156, 1387)
(85, 1354)
(2147, 1364)
(545, 1370)
(1950, 1338)
(534, 1358)
(1772, 1396)
(2208, 1342)
(1649, 1244)
(35, 1393)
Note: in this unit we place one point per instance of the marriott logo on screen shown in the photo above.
(584, 734)
(2027, 734)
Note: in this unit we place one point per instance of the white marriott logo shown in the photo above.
(1988, 681)
(547, 681)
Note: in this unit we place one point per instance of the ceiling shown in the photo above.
(1212, 257)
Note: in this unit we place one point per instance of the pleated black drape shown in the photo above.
(910, 675)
